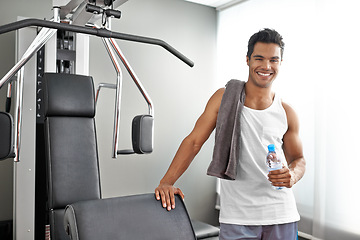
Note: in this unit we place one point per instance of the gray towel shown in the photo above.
(227, 135)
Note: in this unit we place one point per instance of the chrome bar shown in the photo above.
(118, 96)
(133, 75)
(96, 32)
(103, 85)
(44, 35)
(8, 96)
(39, 41)
(9, 90)
(18, 113)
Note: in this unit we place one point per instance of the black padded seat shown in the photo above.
(204, 230)
(128, 218)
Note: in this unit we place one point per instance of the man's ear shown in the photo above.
(247, 60)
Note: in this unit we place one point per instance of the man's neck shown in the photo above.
(258, 98)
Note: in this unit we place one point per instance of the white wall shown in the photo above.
(179, 94)
(295, 84)
(318, 78)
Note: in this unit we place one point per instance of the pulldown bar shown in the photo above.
(102, 32)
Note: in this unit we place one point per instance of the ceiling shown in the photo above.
(218, 4)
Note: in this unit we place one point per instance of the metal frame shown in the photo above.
(113, 49)
(46, 34)
(101, 32)
(118, 88)
(39, 41)
(25, 116)
(76, 8)
(24, 170)
(133, 75)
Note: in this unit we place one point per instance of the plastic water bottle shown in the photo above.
(273, 162)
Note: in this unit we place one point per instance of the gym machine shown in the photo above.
(73, 20)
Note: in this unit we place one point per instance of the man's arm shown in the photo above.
(187, 151)
(287, 177)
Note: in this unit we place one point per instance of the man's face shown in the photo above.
(264, 64)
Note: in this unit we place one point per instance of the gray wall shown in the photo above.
(179, 94)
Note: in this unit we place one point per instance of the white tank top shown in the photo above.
(250, 198)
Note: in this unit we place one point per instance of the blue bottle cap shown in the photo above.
(271, 148)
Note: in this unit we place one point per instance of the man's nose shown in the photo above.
(266, 65)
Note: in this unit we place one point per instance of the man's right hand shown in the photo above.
(166, 193)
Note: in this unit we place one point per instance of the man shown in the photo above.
(250, 207)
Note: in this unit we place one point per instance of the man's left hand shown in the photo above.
(282, 178)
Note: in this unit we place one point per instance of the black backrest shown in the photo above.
(70, 144)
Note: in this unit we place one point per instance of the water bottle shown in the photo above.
(273, 162)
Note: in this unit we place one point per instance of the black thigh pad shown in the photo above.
(6, 136)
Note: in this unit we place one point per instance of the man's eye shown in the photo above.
(275, 61)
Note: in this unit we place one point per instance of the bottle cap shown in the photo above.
(271, 148)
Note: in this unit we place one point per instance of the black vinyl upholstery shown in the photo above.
(204, 230)
(74, 181)
(6, 136)
(128, 218)
(142, 134)
(72, 153)
(70, 145)
(56, 218)
(69, 95)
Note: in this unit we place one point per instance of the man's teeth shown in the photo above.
(264, 74)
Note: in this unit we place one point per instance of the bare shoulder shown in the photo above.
(219, 93)
(291, 115)
(215, 100)
(288, 109)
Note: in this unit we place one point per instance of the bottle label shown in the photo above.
(275, 166)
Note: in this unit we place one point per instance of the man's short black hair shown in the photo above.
(265, 36)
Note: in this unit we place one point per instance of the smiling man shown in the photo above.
(248, 116)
